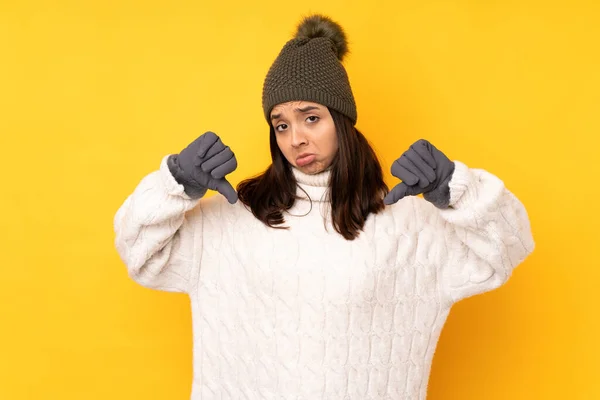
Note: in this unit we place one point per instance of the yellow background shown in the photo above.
(94, 94)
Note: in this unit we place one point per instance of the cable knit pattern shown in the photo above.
(305, 314)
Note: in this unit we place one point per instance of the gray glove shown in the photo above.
(422, 169)
(203, 165)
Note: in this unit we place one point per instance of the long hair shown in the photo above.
(356, 183)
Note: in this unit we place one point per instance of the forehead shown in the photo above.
(292, 105)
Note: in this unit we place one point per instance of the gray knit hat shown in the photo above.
(309, 68)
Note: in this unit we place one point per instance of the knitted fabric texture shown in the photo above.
(309, 70)
(305, 314)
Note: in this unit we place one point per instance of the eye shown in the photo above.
(282, 126)
(313, 120)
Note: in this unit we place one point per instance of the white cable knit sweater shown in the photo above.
(304, 313)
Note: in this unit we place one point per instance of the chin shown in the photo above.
(311, 169)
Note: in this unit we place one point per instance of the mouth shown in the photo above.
(305, 159)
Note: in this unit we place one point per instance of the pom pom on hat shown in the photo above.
(309, 67)
(317, 25)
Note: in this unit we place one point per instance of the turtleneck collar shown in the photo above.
(316, 185)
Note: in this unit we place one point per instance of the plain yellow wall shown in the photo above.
(94, 94)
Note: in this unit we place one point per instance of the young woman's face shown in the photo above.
(305, 134)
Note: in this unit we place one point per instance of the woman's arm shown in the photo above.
(158, 228)
(469, 223)
(486, 233)
(157, 232)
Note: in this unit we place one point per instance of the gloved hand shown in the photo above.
(203, 165)
(422, 169)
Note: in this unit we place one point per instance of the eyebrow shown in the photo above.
(302, 110)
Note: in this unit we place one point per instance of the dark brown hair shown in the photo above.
(356, 182)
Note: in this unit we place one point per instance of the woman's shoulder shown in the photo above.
(412, 212)
(215, 205)
(410, 205)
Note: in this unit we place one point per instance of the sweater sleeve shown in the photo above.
(156, 232)
(487, 233)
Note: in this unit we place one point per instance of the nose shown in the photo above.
(298, 137)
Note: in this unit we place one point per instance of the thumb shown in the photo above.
(225, 188)
(400, 191)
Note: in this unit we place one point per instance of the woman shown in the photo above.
(318, 283)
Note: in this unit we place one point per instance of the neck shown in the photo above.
(316, 185)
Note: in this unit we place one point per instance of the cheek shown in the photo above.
(333, 140)
(282, 146)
